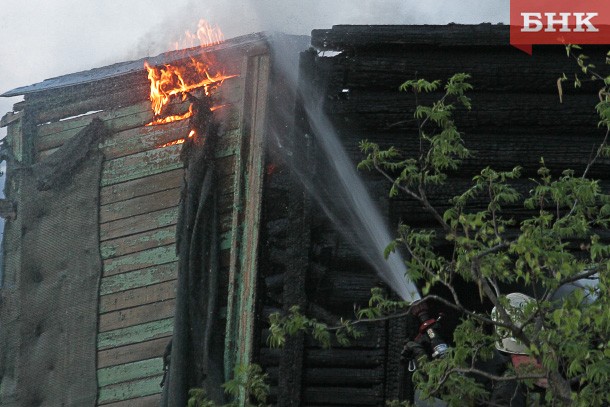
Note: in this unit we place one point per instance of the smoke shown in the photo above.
(42, 39)
(241, 17)
(300, 17)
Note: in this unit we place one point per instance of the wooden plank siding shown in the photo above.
(140, 189)
(140, 193)
(242, 240)
(139, 198)
(140, 265)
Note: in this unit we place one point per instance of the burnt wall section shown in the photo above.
(58, 276)
(516, 119)
(193, 360)
(305, 262)
(285, 224)
(338, 277)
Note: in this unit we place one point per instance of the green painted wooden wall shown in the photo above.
(139, 198)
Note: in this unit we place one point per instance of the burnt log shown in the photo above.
(346, 396)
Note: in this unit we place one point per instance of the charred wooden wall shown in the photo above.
(516, 119)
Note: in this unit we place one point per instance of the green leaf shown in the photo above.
(390, 248)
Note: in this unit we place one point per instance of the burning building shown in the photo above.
(200, 216)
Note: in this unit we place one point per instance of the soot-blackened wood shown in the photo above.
(452, 35)
(291, 366)
(340, 357)
(499, 69)
(343, 377)
(512, 113)
(343, 396)
(515, 127)
(394, 367)
(384, 39)
(373, 337)
(502, 151)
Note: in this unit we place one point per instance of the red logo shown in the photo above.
(558, 22)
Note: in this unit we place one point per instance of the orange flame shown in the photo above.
(173, 143)
(170, 80)
(206, 35)
(172, 118)
(177, 117)
(179, 141)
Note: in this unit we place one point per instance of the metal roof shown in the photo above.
(124, 68)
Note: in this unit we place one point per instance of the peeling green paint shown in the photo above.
(130, 390)
(139, 205)
(252, 212)
(225, 240)
(141, 164)
(56, 133)
(129, 371)
(247, 192)
(162, 291)
(233, 244)
(138, 278)
(143, 259)
(144, 240)
(135, 334)
(139, 223)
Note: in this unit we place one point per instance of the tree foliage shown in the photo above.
(557, 244)
(247, 379)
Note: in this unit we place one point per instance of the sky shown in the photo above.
(40, 39)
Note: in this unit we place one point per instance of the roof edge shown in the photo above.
(125, 68)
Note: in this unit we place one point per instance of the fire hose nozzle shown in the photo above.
(440, 350)
(427, 327)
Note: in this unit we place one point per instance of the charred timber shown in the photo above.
(453, 35)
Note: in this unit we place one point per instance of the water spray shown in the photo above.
(350, 207)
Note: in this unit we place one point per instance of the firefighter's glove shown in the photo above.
(413, 351)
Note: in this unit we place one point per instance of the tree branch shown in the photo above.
(432, 210)
(493, 249)
(493, 377)
(432, 274)
(392, 180)
(597, 154)
(577, 277)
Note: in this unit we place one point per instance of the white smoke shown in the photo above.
(240, 17)
(42, 39)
